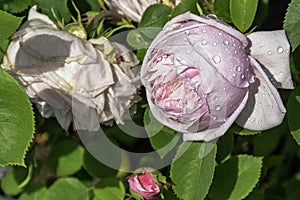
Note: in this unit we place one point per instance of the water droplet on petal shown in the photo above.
(178, 49)
(233, 75)
(235, 52)
(261, 47)
(238, 69)
(214, 117)
(220, 34)
(224, 89)
(243, 76)
(269, 52)
(226, 42)
(204, 42)
(187, 32)
(281, 73)
(188, 51)
(216, 98)
(212, 16)
(218, 107)
(216, 59)
(234, 45)
(204, 31)
(215, 44)
(280, 50)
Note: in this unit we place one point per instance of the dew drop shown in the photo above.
(261, 47)
(215, 44)
(216, 98)
(233, 75)
(216, 59)
(178, 49)
(238, 69)
(257, 122)
(204, 42)
(226, 42)
(204, 31)
(218, 107)
(243, 76)
(188, 51)
(280, 50)
(281, 73)
(269, 52)
(234, 45)
(214, 117)
(235, 52)
(187, 33)
(224, 89)
(220, 34)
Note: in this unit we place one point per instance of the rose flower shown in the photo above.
(70, 78)
(201, 75)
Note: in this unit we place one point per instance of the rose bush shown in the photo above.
(144, 185)
(72, 78)
(201, 75)
(134, 9)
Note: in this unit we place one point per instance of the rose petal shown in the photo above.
(264, 109)
(213, 133)
(271, 49)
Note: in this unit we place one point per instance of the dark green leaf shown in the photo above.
(16, 121)
(11, 182)
(293, 192)
(163, 139)
(155, 16)
(293, 108)
(8, 24)
(185, 6)
(192, 170)
(222, 10)
(67, 188)
(225, 146)
(15, 6)
(60, 8)
(292, 23)
(242, 13)
(236, 177)
(110, 188)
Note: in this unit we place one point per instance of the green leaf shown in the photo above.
(162, 139)
(236, 177)
(66, 157)
(185, 6)
(241, 131)
(95, 168)
(272, 137)
(225, 146)
(222, 9)
(292, 23)
(16, 121)
(12, 180)
(34, 194)
(8, 24)
(192, 170)
(155, 15)
(110, 188)
(293, 108)
(67, 188)
(15, 6)
(292, 190)
(60, 8)
(242, 13)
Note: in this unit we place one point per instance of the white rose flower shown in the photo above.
(71, 78)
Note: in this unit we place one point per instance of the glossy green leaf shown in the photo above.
(10, 184)
(163, 139)
(192, 170)
(293, 108)
(67, 188)
(185, 6)
(222, 9)
(155, 16)
(95, 168)
(110, 188)
(66, 157)
(16, 121)
(242, 13)
(60, 7)
(35, 194)
(235, 178)
(15, 6)
(292, 23)
(8, 24)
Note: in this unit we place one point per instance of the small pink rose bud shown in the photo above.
(201, 75)
(144, 185)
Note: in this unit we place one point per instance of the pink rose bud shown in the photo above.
(144, 185)
(201, 75)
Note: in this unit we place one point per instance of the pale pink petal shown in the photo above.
(213, 133)
(264, 109)
(272, 50)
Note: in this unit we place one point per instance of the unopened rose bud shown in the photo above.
(71, 78)
(144, 185)
(201, 75)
